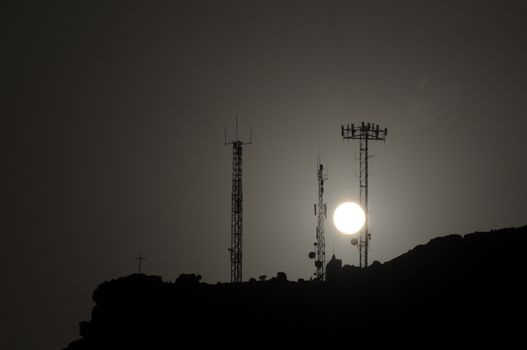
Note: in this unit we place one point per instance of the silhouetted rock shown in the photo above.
(188, 279)
(453, 292)
(280, 277)
(375, 265)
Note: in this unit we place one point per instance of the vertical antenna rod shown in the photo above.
(237, 206)
(364, 133)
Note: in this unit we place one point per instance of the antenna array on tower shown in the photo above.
(236, 250)
(320, 209)
(363, 133)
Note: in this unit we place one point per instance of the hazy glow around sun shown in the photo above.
(349, 218)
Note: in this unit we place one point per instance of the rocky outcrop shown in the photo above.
(455, 292)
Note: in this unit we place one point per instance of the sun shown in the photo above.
(349, 218)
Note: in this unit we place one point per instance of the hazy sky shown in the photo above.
(113, 117)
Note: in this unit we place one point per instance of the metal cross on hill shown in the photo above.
(140, 258)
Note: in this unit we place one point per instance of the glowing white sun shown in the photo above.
(349, 218)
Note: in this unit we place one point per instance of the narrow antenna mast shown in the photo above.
(321, 212)
(363, 133)
(237, 206)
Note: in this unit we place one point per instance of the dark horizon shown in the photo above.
(114, 142)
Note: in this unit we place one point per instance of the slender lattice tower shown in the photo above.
(363, 133)
(236, 250)
(320, 210)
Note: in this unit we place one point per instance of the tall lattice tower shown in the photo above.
(236, 250)
(363, 133)
(321, 213)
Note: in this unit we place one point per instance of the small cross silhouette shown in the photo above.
(140, 258)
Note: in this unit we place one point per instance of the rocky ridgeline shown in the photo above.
(455, 291)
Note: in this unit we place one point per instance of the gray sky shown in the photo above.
(113, 137)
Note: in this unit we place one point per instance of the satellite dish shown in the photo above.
(318, 264)
(354, 241)
(311, 255)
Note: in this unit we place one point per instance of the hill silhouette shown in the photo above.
(455, 291)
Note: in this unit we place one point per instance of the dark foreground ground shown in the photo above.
(453, 292)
